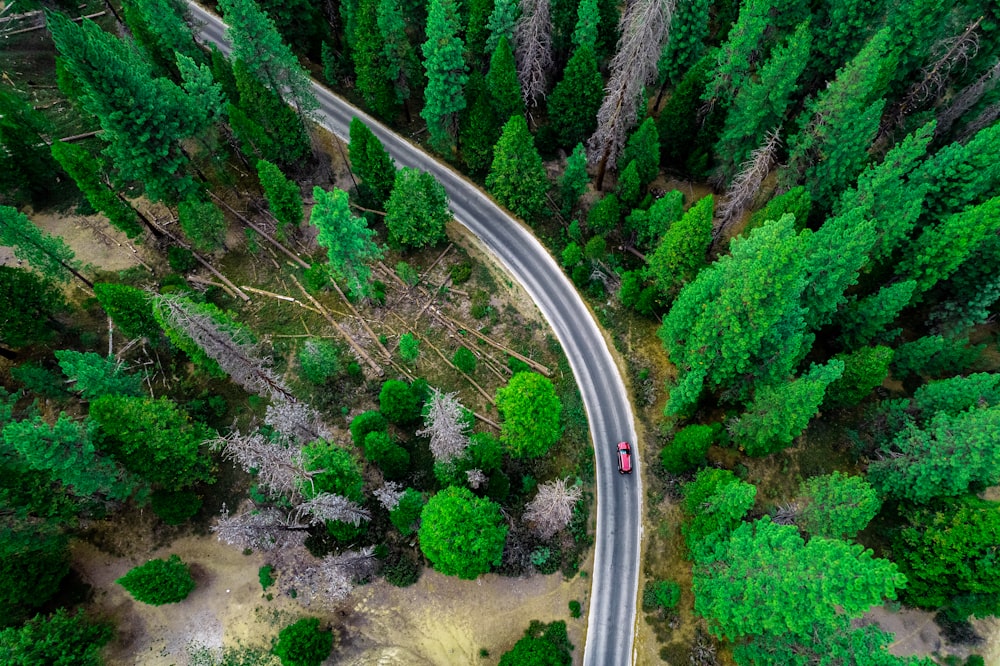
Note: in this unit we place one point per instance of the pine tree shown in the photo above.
(575, 100)
(222, 71)
(795, 202)
(836, 506)
(603, 216)
(733, 61)
(517, 177)
(865, 319)
(168, 21)
(681, 253)
(649, 226)
(533, 48)
(48, 255)
(417, 211)
(574, 180)
(371, 162)
(349, 243)
(688, 31)
(283, 196)
(446, 74)
(644, 147)
(88, 175)
(28, 302)
(266, 127)
(501, 22)
(502, 82)
(760, 104)
(714, 505)
(844, 26)
(960, 175)
(131, 309)
(678, 121)
(202, 222)
(371, 67)
(400, 59)
(629, 187)
(477, 16)
(300, 23)
(26, 167)
(588, 18)
(864, 370)
(207, 96)
(480, 126)
(741, 321)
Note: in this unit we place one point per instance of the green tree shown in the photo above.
(461, 534)
(406, 515)
(94, 375)
(688, 448)
(574, 180)
(588, 18)
(33, 561)
(446, 71)
(480, 126)
(371, 162)
(846, 24)
(264, 124)
(319, 360)
(28, 303)
(959, 175)
(26, 168)
(159, 582)
(603, 216)
(678, 122)
(129, 308)
(795, 201)
(947, 457)
(836, 506)
(417, 211)
(541, 645)
(183, 341)
(333, 470)
(714, 505)
(517, 177)
(48, 255)
(501, 22)
(531, 411)
(303, 643)
(958, 394)
(864, 370)
(367, 422)
(650, 225)
(681, 253)
(409, 347)
(865, 319)
(283, 196)
(644, 147)
(387, 455)
(60, 639)
(399, 403)
(628, 188)
(947, 554)
(779, 413)
(934, 356)
(401, 64)
(575, 100)
(733, 61)
(741, 321)
(371, 66)
(349, 243)
(154, 439)
(89, 177)
(464, 360)
(748, 586)
(166, 21)
(688, 30)
(202, 222)
(501, 81)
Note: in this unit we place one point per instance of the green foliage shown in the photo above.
(480, 126)
(159, 582)
(319, 360)
(464, 360)
(575, 100)
(865, 319)
(407, 273)
(371, 63)
(644, 147)
(350, 244)
(517, 177)
(501, 81)
(446, 73)
(61, 639)
(688, 30)
(26, 167)
(958, 394)
(417, 210)
(660, 595)
(604, 215)
(650, 225)
(263, 123)
(678, 123)
(573, 182)
(836, 506)
(409, 347)
(371, 162)
(766, 579)
(595, 249)
(733, 61)
(181, 259)
(387, 455)
(588, 17)
(399, 403)
(47, 254)
(934, 356)
(88, 175)
(283, 196)
(303, 643)
(531, 413)
(406, 515)
(461, 534)
(154, 439)
(628, 188)
(571, 255)
(795, 201)
(864, 370)
(38, 380)
(33, 562)
(948, 555)
(28, 303)
(714, 505)
(575, 610)
(335, 471)
(779, 414)
(960, 175)
(947, 457)
(681, 253)
(688, 448)
(175, 507)
(740, 322)
(184, 342)
(94, 375)
(367, 422)
(542, 645)
(265, 577)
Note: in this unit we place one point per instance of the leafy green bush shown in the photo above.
(159, 582)
(58, 640)
(542, 644)
(303, 643)
(319, 360)
(460, 273)
(571, 255)
(401, 571)
(464, 360)
(864, 370)
(407, 273)
(367, 422)
(181, 260)
(265, 577)
(407, 512)
(399, 403)
(688, 449)
(409, 347)
(661, 594)
(384, 453)
(175, 507)
(575, 610)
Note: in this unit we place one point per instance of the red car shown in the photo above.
(624, 458)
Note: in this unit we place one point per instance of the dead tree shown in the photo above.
(277, 464)
(533, 48)
(260, 530)
(476, 477)
(230, 346)
(389, 495)
(552, 508)
(332, 580)
(989, 116)
(644, 27)
(966, 99)
(295, 420)
(327, 506)
(746, 184)
(447, 426)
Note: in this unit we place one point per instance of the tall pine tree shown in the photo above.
(349, 243)
(575, 100)
(517, 178)
(447, 75)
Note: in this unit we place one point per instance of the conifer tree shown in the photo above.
(573, 182)
(678, 121)
(734, 59)
(501, 23)
(480, 126)
(588, 18)
(283, 196)
(575, 100)
(644, 147)
(714, 505)
(517, 178)
(299, 22)
(795, 201)
(349, 243)
(603, 216)
(681, 253)
(688, 30)
(28, 302)
(844, 26)
(417, 210)
(371, 66)
(836, 506)
(371, 162)
(533, 48)
(48, 255)
(87, 173)
(26, 167)
(959, 175)
(865, 319)
(266, 126)
(168, 22)
(741, 321)
(129, 308)
(446, 74)
(207, 96)
(502, 82)
(650, 225)
(760, 104)
(629, 188)
(202, 222)
(400, 59)
(222, 72)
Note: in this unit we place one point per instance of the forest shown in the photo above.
(783, 213)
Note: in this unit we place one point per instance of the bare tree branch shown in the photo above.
(278, 465)
(260, 530)
(552, 508)
(533, 48)
(989, 115)
(389, 495)
(966, 99)
(296, 420)
(746, 184)
(327, 506)
(476, 478)
(446, 425)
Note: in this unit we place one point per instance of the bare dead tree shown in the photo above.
(231, 347)
(989, 116)
(446, 425)
(389, 495)
(260, 530)
(295, 420)
(746, 184)
(552, 508)
(644, 27)
(533, 48)
(785, 514)
(966, 99)
(327, 506)
(332, 580)
(277, 464)
(476, 478)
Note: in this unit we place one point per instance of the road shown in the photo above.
(612, 612)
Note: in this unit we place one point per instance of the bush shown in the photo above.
(864, 370)
(688, 449)
(464, 360)
(574, 609)
(175, 507)
(319, 360)
(181, 260)
(367, 422)
(571, 255)
(408, 273)
(264, 576)
(159, 582)
(391, 458)
(399, 403)
(401, 571)
(460, 273)
(409, 347)
(60, 639)
(480, 304)
(663, 594)
(596, 248)
(303, 643)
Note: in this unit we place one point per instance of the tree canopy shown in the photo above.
(531, 413)
(462, 535)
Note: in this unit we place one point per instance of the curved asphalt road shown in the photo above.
(615, 577)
